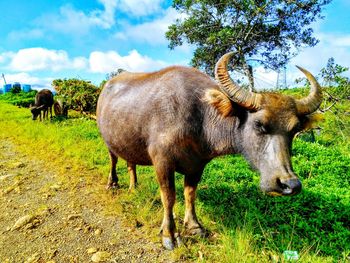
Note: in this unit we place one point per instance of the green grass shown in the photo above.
(243, 223)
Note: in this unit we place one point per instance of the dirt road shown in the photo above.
(47, 217)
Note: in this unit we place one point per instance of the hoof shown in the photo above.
(132, 188)
(198, 231)
(170, 244)
(179, 241)
(111, 186)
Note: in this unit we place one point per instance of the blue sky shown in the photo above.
(43, 40)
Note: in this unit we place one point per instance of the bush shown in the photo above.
(16, 88)
(77, 94)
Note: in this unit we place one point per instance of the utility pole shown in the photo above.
(282, 78)
(3, 76)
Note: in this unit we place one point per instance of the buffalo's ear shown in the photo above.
(219, 101)
(311, 121)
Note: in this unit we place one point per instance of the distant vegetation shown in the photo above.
(22, 99)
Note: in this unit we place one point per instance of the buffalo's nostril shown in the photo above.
(290, 186)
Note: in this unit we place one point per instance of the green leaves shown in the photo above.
(268, 31)
(78, 94)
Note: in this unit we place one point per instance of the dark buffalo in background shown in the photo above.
(178, 119)
(43, 102)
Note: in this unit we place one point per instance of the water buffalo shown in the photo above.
(43, 102)
(178, 119)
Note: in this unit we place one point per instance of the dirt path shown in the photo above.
(49, 218)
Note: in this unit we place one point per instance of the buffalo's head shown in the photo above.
(268, 123)
(36, 110)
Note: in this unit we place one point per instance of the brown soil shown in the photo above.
(47, 217)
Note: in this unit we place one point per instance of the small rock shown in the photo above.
(91, 250)
(200, 255)
(23, 221)
(46, 196)
(55, 187)
(98, 232)
(138, 224)
(113, 242)
(101, 256)
(32, 224)
(9, 189)
(51, 253)
(18, 165)
(3, 177)
(34, 258)
(73, 216)
(87, 229)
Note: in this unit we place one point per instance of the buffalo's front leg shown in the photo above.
(191, 222)
(132, 174)
(113, 177)
(50, 112)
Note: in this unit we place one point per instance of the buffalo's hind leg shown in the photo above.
(166, 178)
(113, 177)
(191, 223)
(133, 176)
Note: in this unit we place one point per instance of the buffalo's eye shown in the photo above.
(260, 127)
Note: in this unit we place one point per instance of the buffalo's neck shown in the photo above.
(221, 134)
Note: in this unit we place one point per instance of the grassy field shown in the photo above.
(243, 223)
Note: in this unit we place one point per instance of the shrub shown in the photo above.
(16, 88)
(77, 94)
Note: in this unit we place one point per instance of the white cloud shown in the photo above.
(25, 34)
(41, 59)
(152, 32)
(106, 18)
(26, 78)
(6, 57)
(315, 58)
(139, 7)
(70, 20)
(105, 62)
(35, 59)
(342, 41)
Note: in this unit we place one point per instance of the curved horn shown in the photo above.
(310, 103)
(242, 97)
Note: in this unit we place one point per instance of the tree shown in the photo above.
(331, 74)
(332, 77)
(114, 73)
(16, 88)
(269, 32)
(77, 94)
